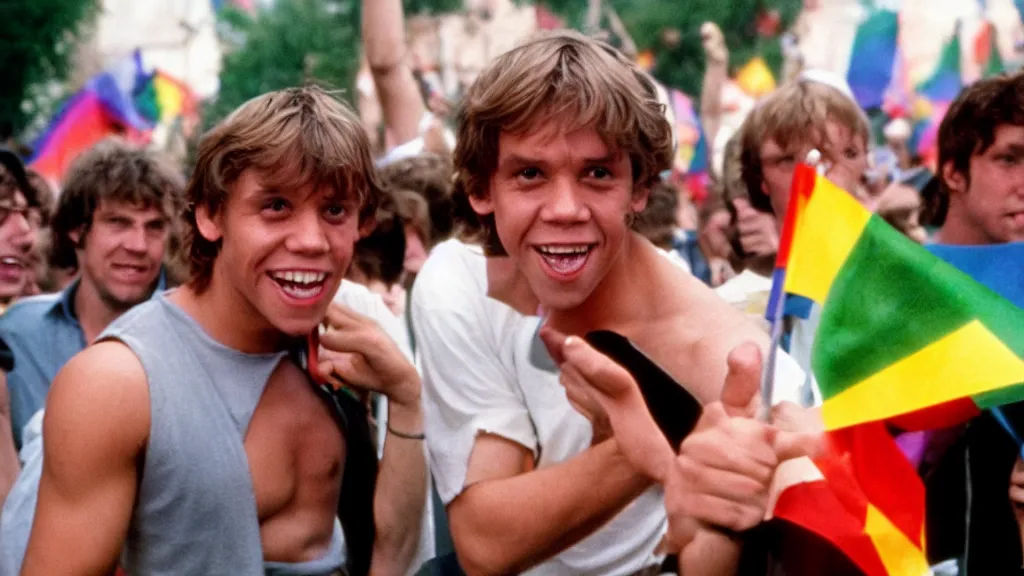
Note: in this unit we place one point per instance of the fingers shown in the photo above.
(553, 340)
(743, 381)
(600, 372)
(801, 431)
(735, 445)
(342, 317)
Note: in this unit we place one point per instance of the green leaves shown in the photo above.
(671, 30)
(38, 40)
(289, 44)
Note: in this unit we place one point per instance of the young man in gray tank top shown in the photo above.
(187, 441)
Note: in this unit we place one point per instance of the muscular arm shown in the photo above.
(9, 466)
(383, 33)
(511, 517)
(401, 493)
(96, 423)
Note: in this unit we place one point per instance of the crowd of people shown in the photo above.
(328, 352)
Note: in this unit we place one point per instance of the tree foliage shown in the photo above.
(295, 42)
(289, 44)
(38, 41)
(670, 29)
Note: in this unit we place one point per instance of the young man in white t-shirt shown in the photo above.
(559, 141)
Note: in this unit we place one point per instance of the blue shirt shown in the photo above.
(44, 333)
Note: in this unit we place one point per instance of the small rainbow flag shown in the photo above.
(904, 336)
(873, 57)
(124, 101)
(946, 80)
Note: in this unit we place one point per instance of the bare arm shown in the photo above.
(358, 351)
(384, 42)
(511, 518)
(716, 72)
(9, 466)
(401, 492)
(96, 423)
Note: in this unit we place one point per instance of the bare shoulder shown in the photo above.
(99, 403)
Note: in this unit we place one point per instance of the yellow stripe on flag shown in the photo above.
(965, 363)
(826, 232)
(899, 555)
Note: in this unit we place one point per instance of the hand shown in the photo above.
(1017, 494)
(723, 474)
(713, 42)
(358, 351)
(759, 234)
(801, 431)
(609, 397)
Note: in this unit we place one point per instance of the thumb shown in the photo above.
(601, 372)
(743, 382)
(554, 341)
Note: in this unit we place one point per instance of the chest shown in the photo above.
(294, 447)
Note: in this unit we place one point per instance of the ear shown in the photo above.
(209, 225)
(76, 236)
(482, 205)
(639, 201)
(367, 226)
(955, 180)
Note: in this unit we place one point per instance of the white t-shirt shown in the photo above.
(477, 377)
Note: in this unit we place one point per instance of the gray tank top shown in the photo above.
(196, 511)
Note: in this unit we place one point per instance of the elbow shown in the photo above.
(476, 558)
(478, 552)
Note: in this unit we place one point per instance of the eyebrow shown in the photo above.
(517, 160)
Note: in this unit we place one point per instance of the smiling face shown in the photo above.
(284, 252)
(560, 202)
(17, 237)
(121, 253)
(987, 206)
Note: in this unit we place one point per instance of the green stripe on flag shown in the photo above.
(892, 298)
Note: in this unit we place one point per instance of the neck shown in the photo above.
(94, 313)
(957, 231)
(227, 317)
(619, 297)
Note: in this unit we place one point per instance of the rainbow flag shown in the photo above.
(690, 166)
(904, 336)
(858, 508)
(873, 57)
(946, 80)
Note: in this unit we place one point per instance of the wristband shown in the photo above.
(420, 436)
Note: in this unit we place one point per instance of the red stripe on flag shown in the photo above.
(887, 479)
(816, 506)
(804, 179)
(943, 415)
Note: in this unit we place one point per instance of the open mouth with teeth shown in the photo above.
(565, 259)
(300, 284)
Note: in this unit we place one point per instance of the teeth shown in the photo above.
(10, 260)
(565, 250)
(299, 277)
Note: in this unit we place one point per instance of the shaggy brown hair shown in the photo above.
(796, 113)
(296, 137)
(969, 128)
(111, 171)
(574, 81)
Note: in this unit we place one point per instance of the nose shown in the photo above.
(134, 239)
(564, 203)
(308, 235)
(22, 234)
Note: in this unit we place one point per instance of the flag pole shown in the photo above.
(776, 307)
(1000, 417)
